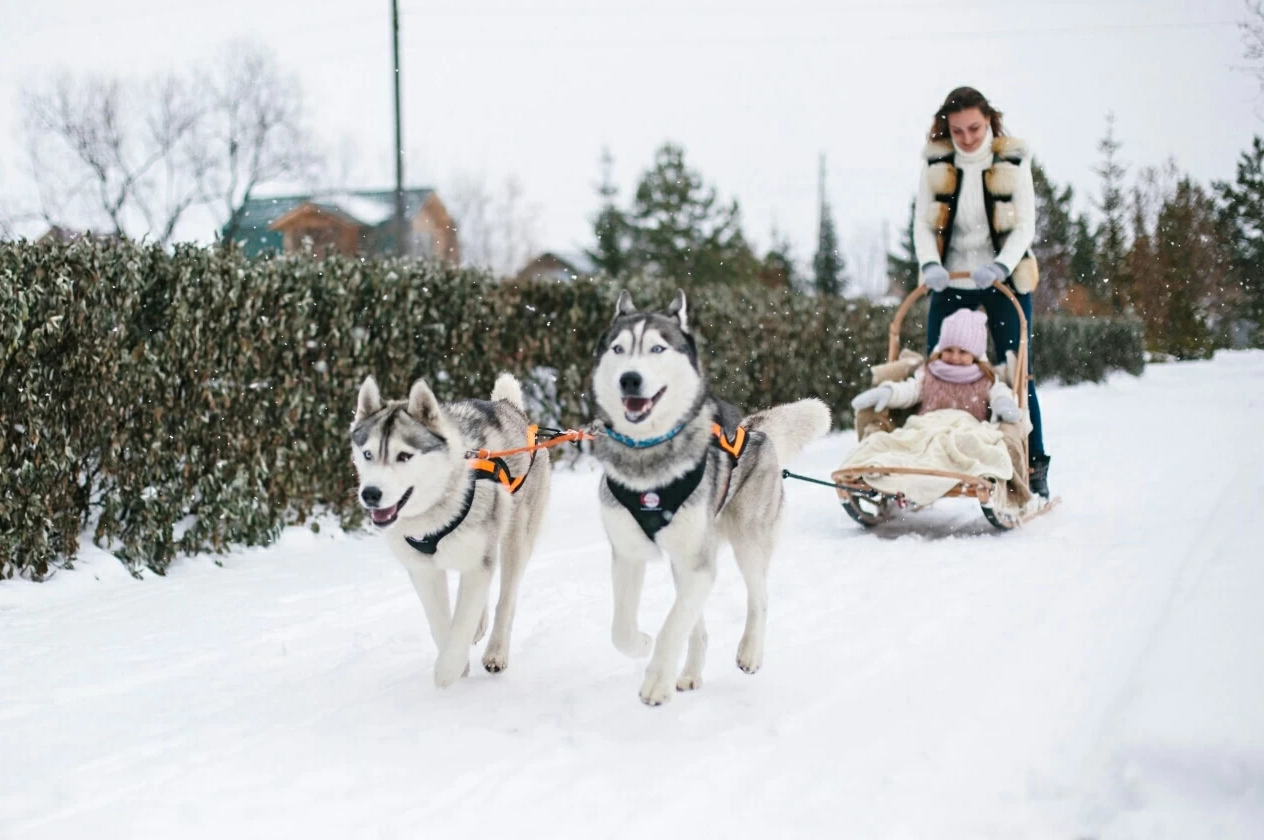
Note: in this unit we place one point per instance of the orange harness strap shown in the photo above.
(735, 446)
(568, 436)
(498, 470)
(492, 464)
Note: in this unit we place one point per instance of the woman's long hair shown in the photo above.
(963, 99)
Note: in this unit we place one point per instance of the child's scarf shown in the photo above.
(956, 374)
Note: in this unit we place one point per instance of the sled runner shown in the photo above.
(1006, 503)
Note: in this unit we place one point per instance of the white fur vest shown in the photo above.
(1002, 182)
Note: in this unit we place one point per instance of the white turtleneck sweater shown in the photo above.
(971, 244)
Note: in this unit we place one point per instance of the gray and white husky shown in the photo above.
(684, 472)
(440, 516)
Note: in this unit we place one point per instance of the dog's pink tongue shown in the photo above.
(636, 404)
(383, 514)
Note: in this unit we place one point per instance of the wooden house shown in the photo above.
(360, 222)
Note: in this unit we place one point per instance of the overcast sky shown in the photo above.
(753, 90)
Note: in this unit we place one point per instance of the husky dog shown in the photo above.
(439, 516)
(684, 471)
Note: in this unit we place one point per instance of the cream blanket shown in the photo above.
(948, 440)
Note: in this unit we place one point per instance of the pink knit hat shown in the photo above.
(966, 329)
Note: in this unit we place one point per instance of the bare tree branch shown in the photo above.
(1252, 30)
(176, 112)
(108, 153)
(498, 227)
(134, 157)
(255, 132)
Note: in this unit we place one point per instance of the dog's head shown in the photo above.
(648, 376)
(401, 453)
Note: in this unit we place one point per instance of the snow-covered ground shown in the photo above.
(1097, 675)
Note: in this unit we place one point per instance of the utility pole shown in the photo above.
(402, 239)
(820, 192)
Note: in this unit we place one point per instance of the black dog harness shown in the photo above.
(429, 544)
(654, 509)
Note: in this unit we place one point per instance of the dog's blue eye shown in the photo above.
(403, 456)
(658, 348)
(368, 456)
(617, 350)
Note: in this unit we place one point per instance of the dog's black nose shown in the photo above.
(372, 496)
(630, 382)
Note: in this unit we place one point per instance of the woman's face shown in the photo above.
(968, 128)
(957, 356)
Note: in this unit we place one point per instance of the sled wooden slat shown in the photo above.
(967, 485)
(1020, 375)
(848, 473)
(893, 331)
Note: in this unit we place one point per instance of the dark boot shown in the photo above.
(1039, 479)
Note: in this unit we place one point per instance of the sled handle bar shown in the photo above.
(1020, 374)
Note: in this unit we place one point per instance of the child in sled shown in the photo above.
(957, 375)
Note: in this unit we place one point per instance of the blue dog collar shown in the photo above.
(643, 444)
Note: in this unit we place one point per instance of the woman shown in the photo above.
(976, 213)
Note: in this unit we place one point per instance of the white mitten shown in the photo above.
(1004, 407)
(875, 398)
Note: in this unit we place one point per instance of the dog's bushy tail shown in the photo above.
(508, 389)
(792, 426)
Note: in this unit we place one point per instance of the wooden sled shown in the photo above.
(869, 506)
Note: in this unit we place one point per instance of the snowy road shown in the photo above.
(1099, 674)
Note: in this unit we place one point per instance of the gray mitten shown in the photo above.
(875, 398)
(1004, 407)
(985, 275)
(935, 276)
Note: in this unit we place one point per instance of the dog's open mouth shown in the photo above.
(383, 517)
(637, 409)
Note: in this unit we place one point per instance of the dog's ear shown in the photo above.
(680, 308)
(625, 306)
(422, 405)
(370, 399)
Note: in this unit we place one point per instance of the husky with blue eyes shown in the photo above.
(684, 472)
(443, 511)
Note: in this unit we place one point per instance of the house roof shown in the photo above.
(370, 208)
(57, 233)
(576, 262)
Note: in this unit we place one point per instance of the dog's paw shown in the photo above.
(689, 682)
(750, 654)
(495, 658)
(637, 646)
(449, 669)
(656, 689)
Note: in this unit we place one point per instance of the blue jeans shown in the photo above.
(1003, 325)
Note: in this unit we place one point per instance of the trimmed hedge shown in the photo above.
(1074, 350)
(193, 401)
